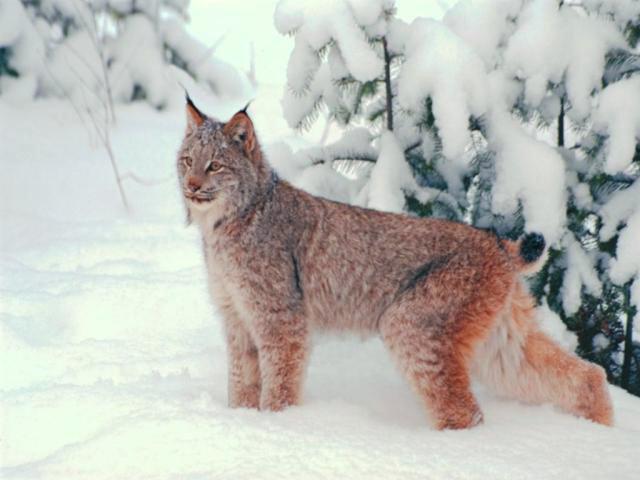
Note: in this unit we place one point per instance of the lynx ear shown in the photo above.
(240, 130)
(194, 116)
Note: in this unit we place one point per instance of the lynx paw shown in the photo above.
(247, 397)
(595, 402)
(461, 419)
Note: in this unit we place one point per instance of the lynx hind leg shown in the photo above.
(575, 385)
(435, 368)
(244, 382)
(521, 362)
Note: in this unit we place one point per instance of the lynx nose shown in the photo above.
(194, 184)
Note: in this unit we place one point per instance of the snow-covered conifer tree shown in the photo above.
(583, 104)
(121, 49)
(507, 114)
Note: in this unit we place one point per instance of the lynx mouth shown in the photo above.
(199, 201)
(201, 198)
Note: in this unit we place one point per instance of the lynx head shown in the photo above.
(220, 165)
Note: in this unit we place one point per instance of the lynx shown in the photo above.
(447, 299)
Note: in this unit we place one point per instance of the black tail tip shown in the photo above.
(531, 247)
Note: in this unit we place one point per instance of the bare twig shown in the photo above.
(252, 65)
(144, 181)
(105, 70)
(210, 51)
(104, 135)
(98, 45)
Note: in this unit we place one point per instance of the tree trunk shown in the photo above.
(561, 123)
(387, 84)
(630, 312)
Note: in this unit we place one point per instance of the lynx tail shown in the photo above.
(528, 253)
(531, 247)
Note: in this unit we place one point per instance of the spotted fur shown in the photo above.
(445, 298)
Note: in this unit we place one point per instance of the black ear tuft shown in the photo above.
(195, 117)
(189, 101)
(244, 110)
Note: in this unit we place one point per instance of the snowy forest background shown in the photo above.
(510, 115)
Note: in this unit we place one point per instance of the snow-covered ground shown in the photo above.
(112, 362)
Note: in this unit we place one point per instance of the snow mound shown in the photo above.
(618, 113)
(390, 178)
(580, 272)
(551, 43)
(440, 65)
(330, 44)
(528, 172)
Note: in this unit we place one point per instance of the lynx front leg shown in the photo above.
(283, 352)
(244, 368)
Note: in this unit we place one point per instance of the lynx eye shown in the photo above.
(187, 161)
(214, 167)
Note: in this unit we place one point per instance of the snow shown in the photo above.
(626, 265)
(530, 172)
(390, 177)
(317, 25)
(289, 16)
(318, 22)
(74, 69)
(354, 142)
(12, 20)
(580, 272)
(618, 114)
(618, 208)
(363, 63)
(550, 43)
(296, 107)
(367, 12)
(17, 90)
(113, 361)
(323, 180)
(78, 11)
(600, 342)
(28, 50)
(552, 324)
(143, 66)
(622, 11)
(219, 76)
(441, 66)
(72, 66)
(312, 169)
(482, 23)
